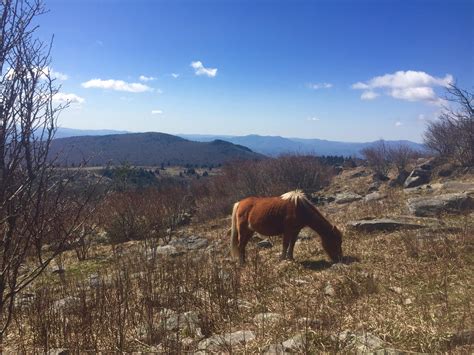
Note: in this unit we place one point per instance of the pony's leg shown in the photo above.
(244, 236)
(286, 244)
(292, 247)
(291, 237)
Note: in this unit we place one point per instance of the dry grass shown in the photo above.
(411, 289)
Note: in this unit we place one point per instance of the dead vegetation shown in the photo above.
(410, 289)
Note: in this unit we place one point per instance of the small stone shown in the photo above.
(329, 290)
(265, 244)
(267, 318)
(407, 301)
(297, 343)
(396, 289)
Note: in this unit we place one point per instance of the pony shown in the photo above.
(283, 215)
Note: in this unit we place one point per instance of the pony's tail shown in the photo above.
(234, 236)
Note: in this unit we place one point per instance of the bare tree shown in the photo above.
(452, 135)
(378, 158)
(400, 155)
(34, 199)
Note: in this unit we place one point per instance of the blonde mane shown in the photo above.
(295, 196)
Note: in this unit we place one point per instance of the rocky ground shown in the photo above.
(405, 284)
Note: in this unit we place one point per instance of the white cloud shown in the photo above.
(421, 117)
(314, 118)
(43, 73)
(64, 98)
(200, 69)
(407, 85)
(156, 112)
(369, 95)
(175, 75)
(117, 85)
(398, 124)
(146, 78)
(317, 86)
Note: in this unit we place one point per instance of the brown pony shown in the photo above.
(284, 215)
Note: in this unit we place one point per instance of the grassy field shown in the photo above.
(408, 290)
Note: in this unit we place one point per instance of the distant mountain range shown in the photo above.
(145, 149)
(276, 145)
(267, 145)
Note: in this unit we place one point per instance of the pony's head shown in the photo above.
(332, 243)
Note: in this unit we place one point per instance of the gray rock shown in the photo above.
(183, 321)
(65, 303)
(59, 351)
(417, 177)
(265, 244)
(346, 197)
(360, 341)
(374, 196)
(447, 203)
(295, 344)
(383, 224)
(267, 318)
(274, 349)
(400, 179)
(167, 250)
(396, 289)
(329, 290)
(226, 341)
(192, 242)
(309, 322)
(457, 186)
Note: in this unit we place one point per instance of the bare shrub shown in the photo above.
(144, 214)
(452, 135)
(377, 157)
(268, 177)
(401, 155)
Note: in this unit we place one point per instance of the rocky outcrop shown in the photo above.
(192, 242)
(447, 203)
(419, 176)
(385, 224)
(226, 341)
(346, 197)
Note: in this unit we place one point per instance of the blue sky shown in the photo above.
(338, 70)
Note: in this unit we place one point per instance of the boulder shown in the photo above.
(226, 341)
(192, 242)
(400, 179)
(267, 318)
(182, 321)
(363, 342)
(346, 197)
(295, 344)
(374, 196)
(383, 224)
(447, 203)
(167, 250)
(457, 186)
(419, 176)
